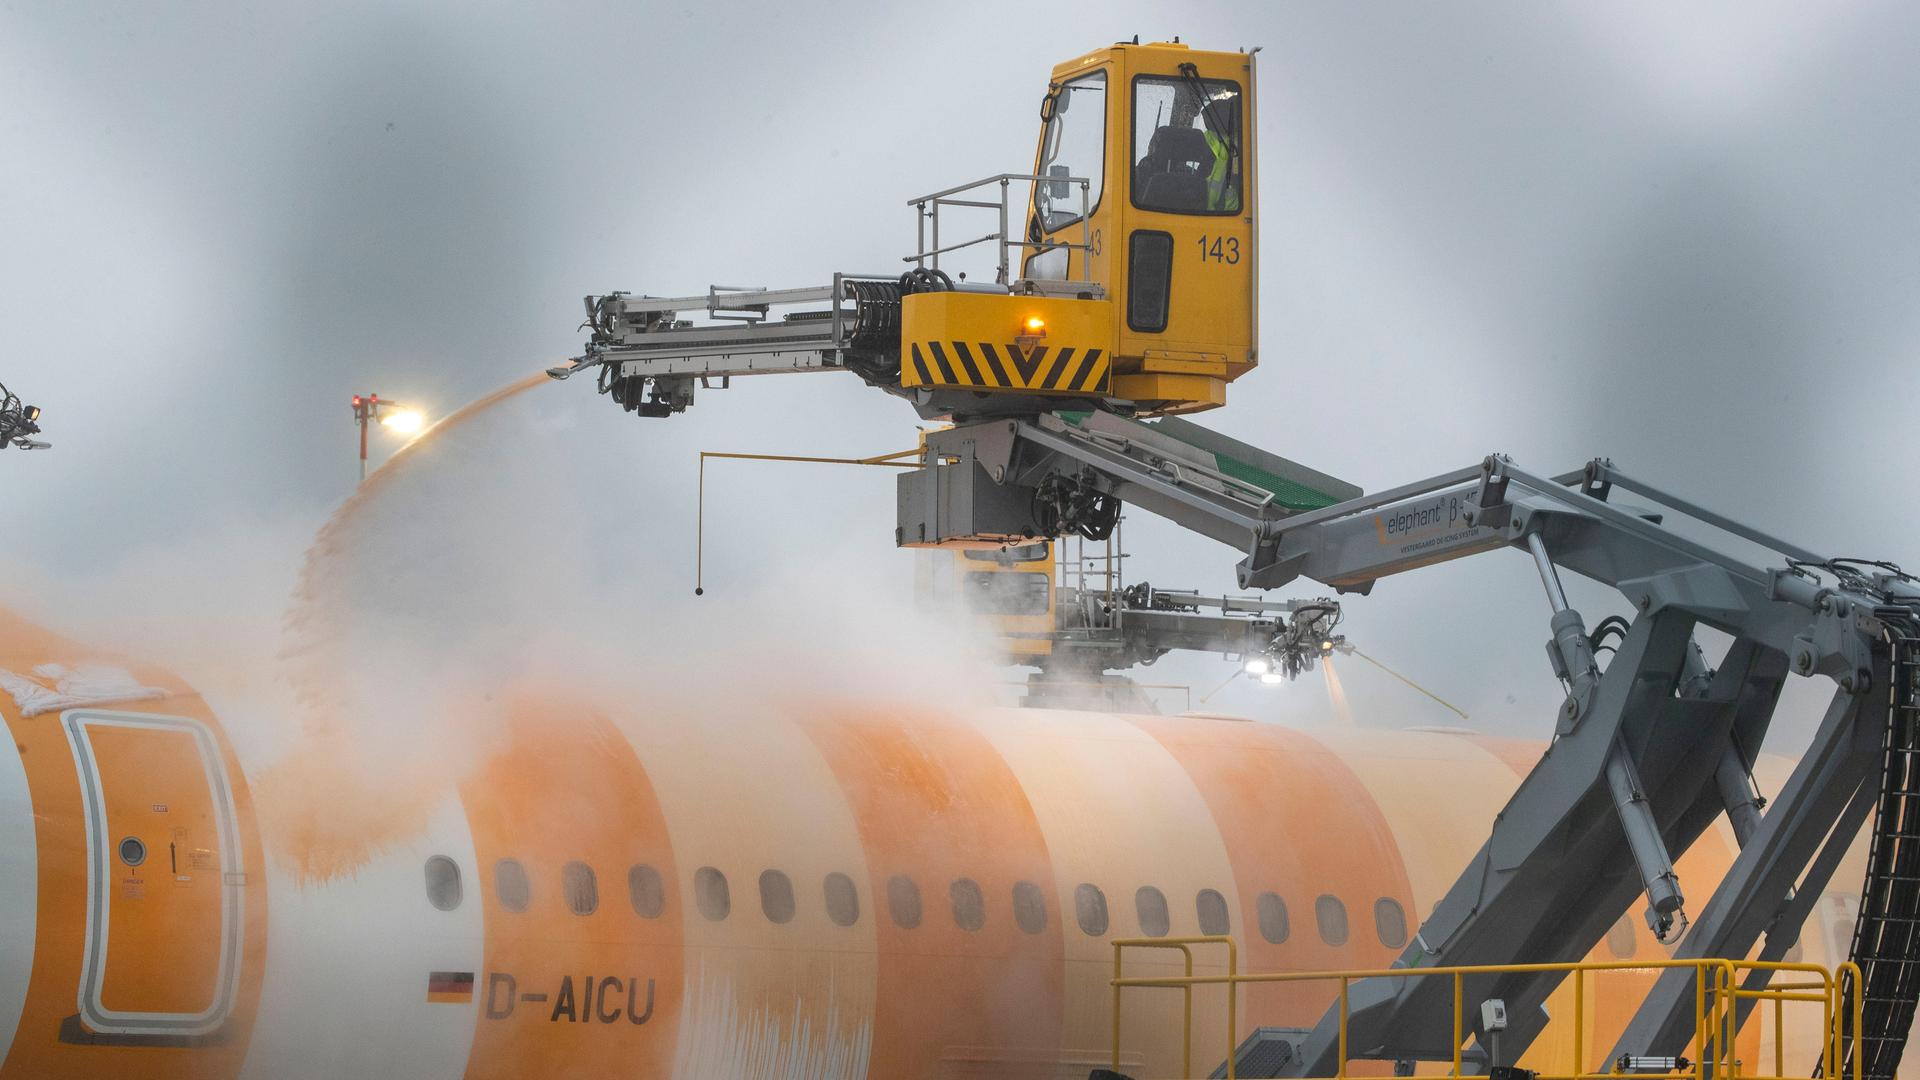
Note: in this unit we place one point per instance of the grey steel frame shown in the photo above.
(641, 335)
(1646, 753)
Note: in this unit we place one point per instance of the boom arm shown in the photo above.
(1139, 303)
(1646, 750)
(1643, 751)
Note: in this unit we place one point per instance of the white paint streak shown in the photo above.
(345, 992)
(19, 892)
(60, 687)
(718, 1039)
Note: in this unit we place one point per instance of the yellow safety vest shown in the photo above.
(1221, 193)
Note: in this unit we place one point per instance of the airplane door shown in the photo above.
(165, 881)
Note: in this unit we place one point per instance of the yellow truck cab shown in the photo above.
(1166, 135)
(1010, 589)
(1137, 280)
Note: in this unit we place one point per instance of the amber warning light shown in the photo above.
(1031, 331)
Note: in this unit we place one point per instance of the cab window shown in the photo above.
(1186, 145)
(1008, 555)
(1074, 143)
(1012, 592)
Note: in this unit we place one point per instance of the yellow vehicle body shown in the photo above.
(1043, 345)
(1011, 590)
(1165, 135)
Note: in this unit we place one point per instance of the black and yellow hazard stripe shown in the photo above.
(985, 366)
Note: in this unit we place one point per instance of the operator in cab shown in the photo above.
(1189, 164)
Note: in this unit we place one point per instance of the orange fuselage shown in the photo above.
(829, 890)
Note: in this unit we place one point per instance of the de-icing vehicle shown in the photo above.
(1124, 298)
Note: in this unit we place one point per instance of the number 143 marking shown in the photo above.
(1220, 249)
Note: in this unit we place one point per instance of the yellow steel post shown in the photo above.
(1459, 994)
(1341, 1069)
(1713, 1021)
(1734, 1061)
(1579, 1022)
(1186, 1033)
(1700, 1021)
(1233, 1004)
(1725, 1025)
(1721, 1052)
(1779, 1036)
(1835, 1002)
(1859, 1012)
(1116, 1006)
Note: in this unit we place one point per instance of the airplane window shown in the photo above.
(1090, 907)
(646, 892)
(776, 896)
(843, 900)
(1212, 909)
(903, 901)
(1390, 922)
(579, 887)
(1620, 938)
(710, 893)
(1331, 914)
(1796, 952)
(1150, 906)
(443, 883)
(969, 906)
(1029, 907)
(510, 885)
(1273, 917)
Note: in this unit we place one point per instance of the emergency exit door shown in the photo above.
(165, 882)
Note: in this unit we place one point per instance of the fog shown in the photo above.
(1680, 236)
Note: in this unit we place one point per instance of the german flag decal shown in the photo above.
(986, 366)
(450, 987)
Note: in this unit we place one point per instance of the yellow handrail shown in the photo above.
(1186, 984)
(1718, 992)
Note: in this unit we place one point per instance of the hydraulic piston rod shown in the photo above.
(1573, 660)
(1666, 916)
(1570, 651)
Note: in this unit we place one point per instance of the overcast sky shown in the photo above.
(1684, 236)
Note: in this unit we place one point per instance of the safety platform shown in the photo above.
(1724, 1006)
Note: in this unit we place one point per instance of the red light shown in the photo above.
(356, 399)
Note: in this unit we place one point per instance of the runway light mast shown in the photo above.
(368, 408)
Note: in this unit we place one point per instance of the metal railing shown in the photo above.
(1718, 998)
(927, 211)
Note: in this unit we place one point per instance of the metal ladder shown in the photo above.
(1886, 938)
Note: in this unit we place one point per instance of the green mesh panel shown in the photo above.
(1292, 495)
(1287, 493)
